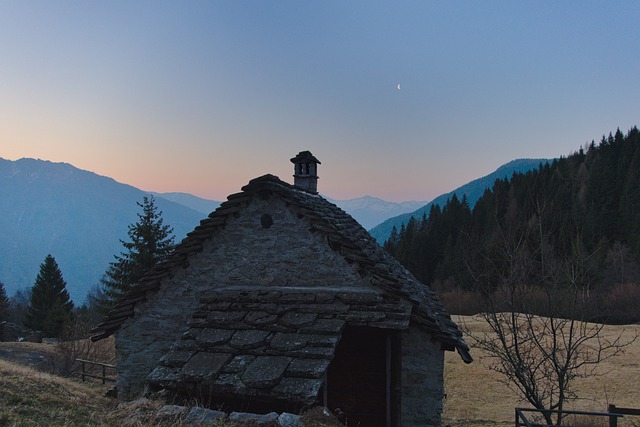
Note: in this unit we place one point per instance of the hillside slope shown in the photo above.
(80, 217)
(76, 216)
(198, 204)
(473, 190)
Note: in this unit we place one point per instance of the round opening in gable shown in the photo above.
(266, 221)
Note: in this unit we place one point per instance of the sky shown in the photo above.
(202, 96)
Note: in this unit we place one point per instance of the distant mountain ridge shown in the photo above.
(370, 211)
(472, 190)
(76, 216)
(79, 217)
(198, 204)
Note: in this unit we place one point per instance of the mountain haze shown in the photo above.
(473, 191)
(370, 211)
(80, 217)
(198, 204)
(76, 216)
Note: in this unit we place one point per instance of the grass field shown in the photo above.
(475, 397)
(29, 397)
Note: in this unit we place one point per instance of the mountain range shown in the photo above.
(76, 216)
(80, 217)
(371, 211)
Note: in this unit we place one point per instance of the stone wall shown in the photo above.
(266, 244)
(421, 379)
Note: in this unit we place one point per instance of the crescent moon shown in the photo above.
(398, 86)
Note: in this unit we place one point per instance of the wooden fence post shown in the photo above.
(90, 374)
(613, 421)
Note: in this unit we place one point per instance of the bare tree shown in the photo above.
(18, 305)
(537, 307)
(75, 344)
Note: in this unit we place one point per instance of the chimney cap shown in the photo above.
(305, 156)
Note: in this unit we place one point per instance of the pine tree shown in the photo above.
(49, 303)
(392, 241)
(150, 242)
(4, 303)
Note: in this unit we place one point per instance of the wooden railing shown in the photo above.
(522, 421)
(103, 377)
(613, 409)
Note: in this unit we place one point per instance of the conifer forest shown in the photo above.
(580, 210)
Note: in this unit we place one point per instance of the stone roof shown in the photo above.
(344, 235)
(271, 344)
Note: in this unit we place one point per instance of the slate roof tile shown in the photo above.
(249, 338)
(257, 318)
(162, 374)
(265, 371)
(176, 358)
(307, 368)
(306, 388)
(209, 337)
(288, 341)
(238, 364)
(256, 360)
(203, 366)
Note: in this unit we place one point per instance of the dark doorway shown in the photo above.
(357, 378)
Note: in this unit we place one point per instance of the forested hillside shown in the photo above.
(472, 190)
(580, 211)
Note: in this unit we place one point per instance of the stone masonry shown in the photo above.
(253, 306)
(244, 253)
(421, 382)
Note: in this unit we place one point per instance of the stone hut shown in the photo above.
(279, 301)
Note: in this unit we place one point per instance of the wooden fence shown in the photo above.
(523, 421)
(613, 409)
(84, 373)
(613, 413)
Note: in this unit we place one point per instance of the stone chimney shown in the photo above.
(305, 171)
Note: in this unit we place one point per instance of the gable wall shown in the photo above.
(421, 379)
(242, 253)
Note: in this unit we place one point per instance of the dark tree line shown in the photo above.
(4, 303)
(589, 200)
(47, 307)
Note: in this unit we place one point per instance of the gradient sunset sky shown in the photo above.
(202, 96)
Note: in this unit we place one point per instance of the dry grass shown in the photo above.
(475, 397)
(18, 348)
(29, 397)
(47, 349)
